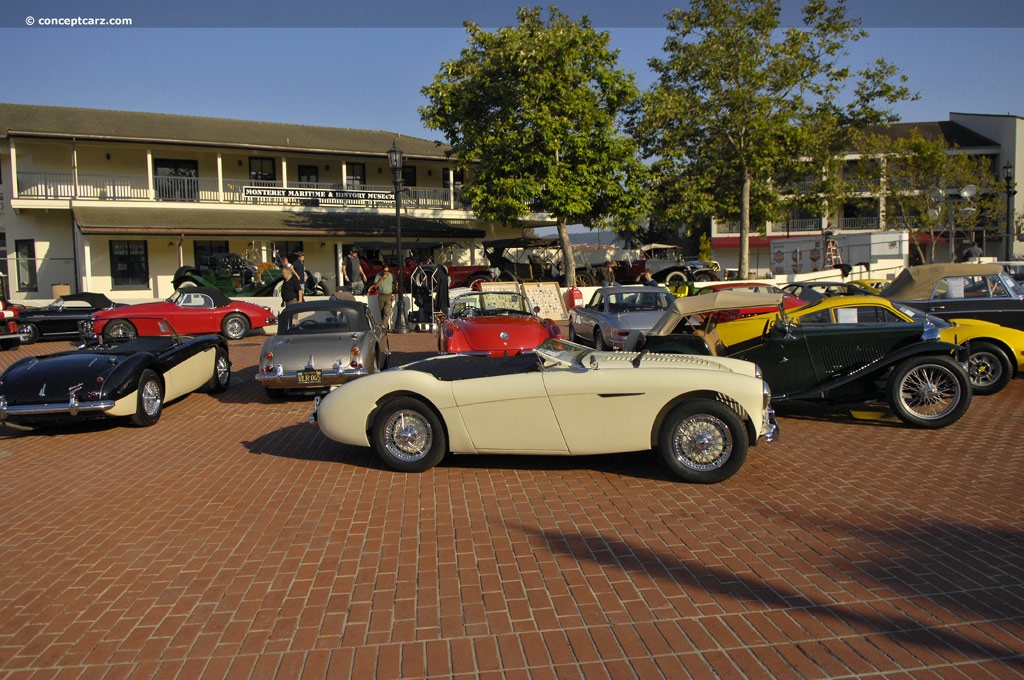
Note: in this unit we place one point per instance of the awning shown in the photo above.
(196, 221)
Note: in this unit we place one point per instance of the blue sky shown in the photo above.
(362, 65)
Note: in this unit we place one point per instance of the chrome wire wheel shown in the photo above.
(408, 435)
(930, 391)
(701, 442)
(222, 369)
(151, 398)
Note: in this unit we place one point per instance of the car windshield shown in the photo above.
(321, 320)
(918, 315)
(562, 352)
(638, 301)
(489, 303)
(183, 298)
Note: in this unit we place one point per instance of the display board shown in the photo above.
(491, 286)
(548, 296)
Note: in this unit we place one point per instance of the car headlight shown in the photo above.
(766, 395)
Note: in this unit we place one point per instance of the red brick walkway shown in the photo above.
(233, 540)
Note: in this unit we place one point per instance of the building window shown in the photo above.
(206, 253)
(355, 175)
(25, 254)
(309, 174)
(287, 249)
(408, 175)
(176, 179)
(129, 263)
(458, 176)
(262, 169)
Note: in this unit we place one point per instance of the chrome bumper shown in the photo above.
(290, 379)
(72, 408)
(771, 426)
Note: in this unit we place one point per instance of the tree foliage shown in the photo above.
(908, 172)
(533, 113)
(743, 107)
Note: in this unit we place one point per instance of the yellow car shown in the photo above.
(878, 285)
(996, 352)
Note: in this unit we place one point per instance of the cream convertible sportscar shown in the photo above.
(700, 413)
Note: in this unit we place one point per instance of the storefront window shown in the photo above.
(129, 263)
(25, 254)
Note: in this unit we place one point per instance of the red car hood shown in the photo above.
(483, 334)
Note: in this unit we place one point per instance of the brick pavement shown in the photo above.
(233, 540)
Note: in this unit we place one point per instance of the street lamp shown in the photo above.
(1010, 193)
(939, 197)
(395, 161)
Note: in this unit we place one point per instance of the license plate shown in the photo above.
(311, 377)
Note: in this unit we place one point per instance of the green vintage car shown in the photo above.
(922, 379)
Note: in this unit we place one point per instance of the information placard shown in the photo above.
(548, 296)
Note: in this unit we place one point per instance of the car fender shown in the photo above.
(884, 365)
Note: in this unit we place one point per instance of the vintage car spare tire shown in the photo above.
(408, 435)
(929, 391)
(703, 441)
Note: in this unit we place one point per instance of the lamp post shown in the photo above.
(963, 195)
(1010, 193)
(395, 161)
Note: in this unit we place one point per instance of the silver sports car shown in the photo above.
(614, 311)
(561, 399)
(321, 344)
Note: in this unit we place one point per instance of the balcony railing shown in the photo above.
(61, 185)
(858, 223)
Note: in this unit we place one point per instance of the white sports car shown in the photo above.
(700, 413)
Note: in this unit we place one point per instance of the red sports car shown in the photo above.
(193, 310)
(493, 323)
(789, 301)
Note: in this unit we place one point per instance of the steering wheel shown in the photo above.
(309, 323)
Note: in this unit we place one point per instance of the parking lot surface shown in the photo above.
(233, 540)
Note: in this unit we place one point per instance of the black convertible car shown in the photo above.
(60, 318)
(130, 379)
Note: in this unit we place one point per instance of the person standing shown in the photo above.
(353, 272)
(385, 283)
(291, 290)
(299, 265)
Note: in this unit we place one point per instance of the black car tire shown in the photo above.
(929, 391)
(29, 333)
(408, 435)
(599, 341)
(119, 329)
(235, 326)
(703, 441)
(150, 399)
(9, 343)
(573, 337)
(988, 368)
(221, 377)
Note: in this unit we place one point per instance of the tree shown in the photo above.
(533, 113)
(910, 169)
(742, 108)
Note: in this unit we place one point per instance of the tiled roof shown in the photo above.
(67, 122)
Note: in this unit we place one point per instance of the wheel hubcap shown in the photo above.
(983, 369)
(702, 442)
(222, 370)
(407, 435)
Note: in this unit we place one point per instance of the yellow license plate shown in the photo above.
(311, 377)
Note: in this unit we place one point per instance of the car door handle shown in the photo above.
(936, 307)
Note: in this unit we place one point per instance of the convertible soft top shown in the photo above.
(218, 296)
(711, 302)
(917, 283)
(97, 300)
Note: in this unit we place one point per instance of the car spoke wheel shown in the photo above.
(221, 377)
(119, 329)
(29, 333)
(930, 392)
(988, 368)
(235, 327)
(408, 435)
(150, 399)
(703, 441)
